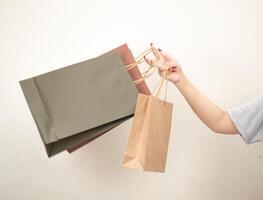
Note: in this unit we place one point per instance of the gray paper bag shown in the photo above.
(87, 96)
(127, 58)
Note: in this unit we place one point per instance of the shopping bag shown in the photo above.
(88, 96)
(127, 58)
(149, 137)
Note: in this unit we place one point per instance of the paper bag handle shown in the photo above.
(151, 69)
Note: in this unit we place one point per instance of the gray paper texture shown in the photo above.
(82, 97)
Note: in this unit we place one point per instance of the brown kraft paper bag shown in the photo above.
(149, 137)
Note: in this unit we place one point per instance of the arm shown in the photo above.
(208, 112)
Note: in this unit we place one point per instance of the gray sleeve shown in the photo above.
(248, 119)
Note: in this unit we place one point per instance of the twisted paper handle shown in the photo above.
(159, 86)
(151, 69)
(140, 59)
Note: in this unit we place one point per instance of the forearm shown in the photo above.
(212, 115)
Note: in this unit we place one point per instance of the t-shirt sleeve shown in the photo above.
(248, 119)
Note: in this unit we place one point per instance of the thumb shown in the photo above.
(162, 68)
(167, 67)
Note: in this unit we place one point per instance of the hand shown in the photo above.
(167, 64)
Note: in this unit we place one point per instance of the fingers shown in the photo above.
(148, 61)
(159, 53)
(165, 61)
(166, 56)
(171, 68)
(160, 65)
(163, 68)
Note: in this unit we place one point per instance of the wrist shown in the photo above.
(182, 82)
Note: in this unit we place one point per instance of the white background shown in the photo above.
(218, 43)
